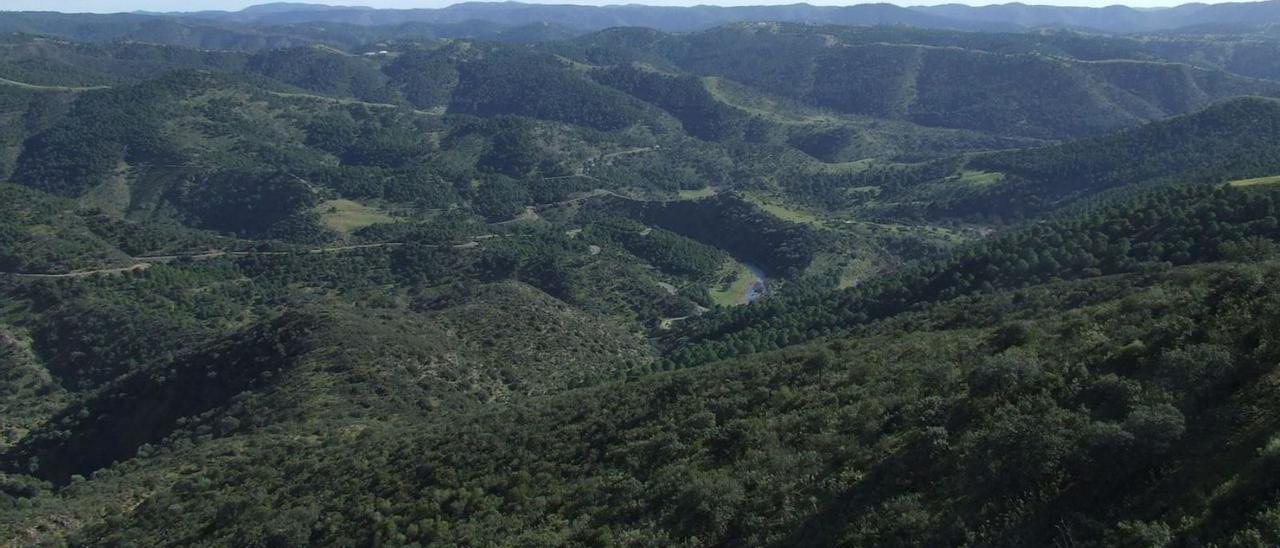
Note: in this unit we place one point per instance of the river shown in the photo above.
(759, 287)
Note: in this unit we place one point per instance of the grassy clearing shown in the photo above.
(957, 184)
(733, 292)
(1257, 181)
(754, 102)
(705, 192)
(849, 270)
(346, 216)
(793, 215)
(529, 215)
(856, 166)
(979, 178)
(112, 196)
(786, 213)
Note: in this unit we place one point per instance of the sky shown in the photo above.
(111, 6)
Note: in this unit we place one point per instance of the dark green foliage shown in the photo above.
(424, 263)
(958, 442)
(684, 97)
(1176, 226)
(512, 150)
(990, 82)
(94, 341)
(340, 272)
(34, 60)
(539, 86)
(666, 250)
(735, 225)
(500, 198)
(1235, 140)
(96, 432)
(249, 204)
(41, 234)
(327, 72)
(426, 76)
(419, 184)
(393, 147)
(103, 129)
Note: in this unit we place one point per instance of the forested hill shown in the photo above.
(1026, 86)
(1098, 407)
(272, 280)
(1235, 140)
(1053, 86)
(1085, 417)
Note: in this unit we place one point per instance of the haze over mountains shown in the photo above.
(577, 18)
(1011, 16)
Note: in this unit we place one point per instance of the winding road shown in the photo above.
(146, 261)
(601, 192)
(143, 262)
(24, 85)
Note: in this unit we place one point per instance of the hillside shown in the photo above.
(1229, 141)
(949, 80)
(688, 457)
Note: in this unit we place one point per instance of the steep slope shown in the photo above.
(538, 344)
(321, 361)
(114, 424)
(540, 86)
(324, 71)
(964, 428)
(43, 61)
(1233, 140)
(1004, 84)
(216, 151)
(1146, 232)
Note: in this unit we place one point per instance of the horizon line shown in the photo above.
(571, 3)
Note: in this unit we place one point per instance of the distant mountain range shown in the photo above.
(285, 24)
(1013, 16)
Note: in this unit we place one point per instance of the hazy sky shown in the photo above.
(108, 6)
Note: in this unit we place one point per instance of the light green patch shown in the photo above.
(959, 184)
(1258, 181)
(112, 196)
(331, 49)
(734, 291)
(1272, 449)
(705, 192)
(346, 216)
(787, 213)
(754, 102)
(652, 69)
(526, 216)
(576, 64)
(848, 270)
(979, 178)
(856, 166)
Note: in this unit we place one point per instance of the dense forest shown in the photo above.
(500, 274)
